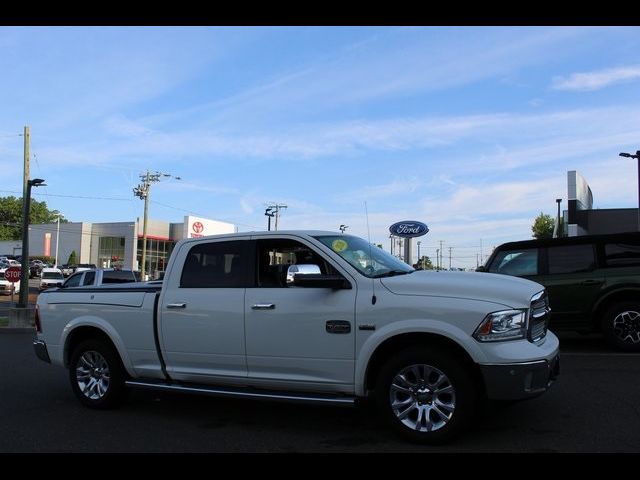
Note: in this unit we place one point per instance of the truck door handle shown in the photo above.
(263, 306)
(176, 305)
(591, 282)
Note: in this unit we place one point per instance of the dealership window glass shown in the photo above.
(111, 252)
(157, 256)
(516, 262)
(215, 265)
(622, 254)
(571, 258)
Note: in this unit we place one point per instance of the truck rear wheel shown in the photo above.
(96, 374)
(426, 395)
(621, 326)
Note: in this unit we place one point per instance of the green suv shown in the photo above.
(593, 281)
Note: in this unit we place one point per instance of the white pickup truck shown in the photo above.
(307, 316)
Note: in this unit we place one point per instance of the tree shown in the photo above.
(424, 263)
(543, 226)
(11, 216)
(72, 258)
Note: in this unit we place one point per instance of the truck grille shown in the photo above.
(538, 317)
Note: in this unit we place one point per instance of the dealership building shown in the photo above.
(117, 244)
(582, 219)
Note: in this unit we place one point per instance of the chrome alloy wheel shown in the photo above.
(626, 326)
(92, 375)
(422, 398)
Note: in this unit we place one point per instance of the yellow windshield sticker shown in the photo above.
(339, 245)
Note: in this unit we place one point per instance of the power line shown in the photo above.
(72, 196)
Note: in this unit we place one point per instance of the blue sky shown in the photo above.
(469, 129)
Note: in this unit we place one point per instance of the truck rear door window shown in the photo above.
(215, 265)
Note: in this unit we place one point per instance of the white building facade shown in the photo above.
(115, 244)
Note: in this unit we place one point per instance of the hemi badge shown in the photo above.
(366, 327)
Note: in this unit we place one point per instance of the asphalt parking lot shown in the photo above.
(592, 408)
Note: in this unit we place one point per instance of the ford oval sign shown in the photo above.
(408, 229)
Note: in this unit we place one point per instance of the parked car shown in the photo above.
(99, 277)
(593, 281)
(84, 266)
(67, 269)
(51, 277)
(232, 317)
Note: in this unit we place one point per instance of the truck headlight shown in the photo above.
(503, 325)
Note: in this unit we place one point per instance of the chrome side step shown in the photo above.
(245, 393)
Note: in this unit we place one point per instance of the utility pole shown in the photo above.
(276, 208)
(440, 261)
(23, 298)
(26, 172)
(419, 261)
(450, 248)
(143, 190)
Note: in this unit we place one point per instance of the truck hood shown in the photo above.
(513, 292)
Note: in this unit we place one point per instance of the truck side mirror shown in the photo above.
(302, 269)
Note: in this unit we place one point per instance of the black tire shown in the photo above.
(97, 375)
(621, 326)
(461, 399)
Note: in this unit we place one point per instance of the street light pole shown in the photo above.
(419, 260)
(637, 157)
(269, 213)
(343, 228)
(23, 299)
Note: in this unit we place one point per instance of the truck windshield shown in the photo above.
(370, 260)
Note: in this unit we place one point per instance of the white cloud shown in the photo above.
(596, 80)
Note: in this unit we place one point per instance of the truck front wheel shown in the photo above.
(96, 374)
(426, 395)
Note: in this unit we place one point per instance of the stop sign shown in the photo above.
(12, 274)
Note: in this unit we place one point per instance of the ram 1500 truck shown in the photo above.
(307, 316)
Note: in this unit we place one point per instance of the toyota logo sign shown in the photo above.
(197, 227)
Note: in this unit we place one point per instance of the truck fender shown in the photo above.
(106, 328)
(434, 327)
